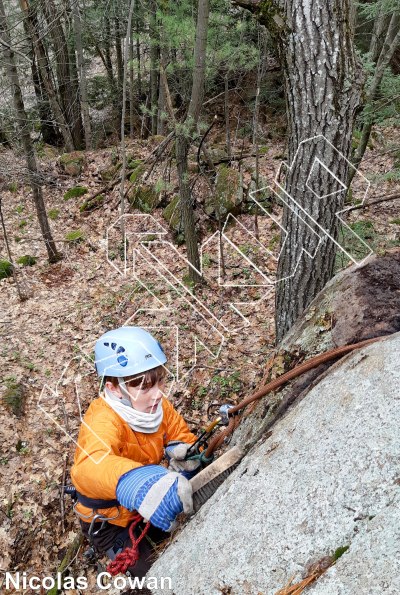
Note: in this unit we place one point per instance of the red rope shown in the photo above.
(130, 555)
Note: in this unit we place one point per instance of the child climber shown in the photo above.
(117, 471)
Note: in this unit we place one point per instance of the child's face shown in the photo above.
(144, 398)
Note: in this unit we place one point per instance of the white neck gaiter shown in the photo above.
(139, 421)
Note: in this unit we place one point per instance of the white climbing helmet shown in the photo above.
(127, 351)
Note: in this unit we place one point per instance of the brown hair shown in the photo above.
(144, 379)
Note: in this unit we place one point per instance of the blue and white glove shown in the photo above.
(157, 494)
(176, 453)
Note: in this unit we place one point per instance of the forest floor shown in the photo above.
(47, 340)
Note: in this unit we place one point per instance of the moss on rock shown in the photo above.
(228, 196)
(144, 198)
(72, 163)
(138, 169)
(110, 172)
(75, 192)
(91, 204)
(172, 214)
(75, 236)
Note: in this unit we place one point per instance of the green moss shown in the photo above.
(395, 221)
(272, 17)
(134, 163)
(27, 260)
(13, 187)
(109, 173)
(137, 172)
(14, 398)
(6, 269)
(72, 163)
(91, 204)
(172, 214)
(144, 198)
(75, 236)
(340, 551)
(75, 192)
(53, 214)
(22, 223)
(227, 197)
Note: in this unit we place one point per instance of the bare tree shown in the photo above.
(124, 85)
(82, 74)
(44, 69)
(23, 127)
(184, 132)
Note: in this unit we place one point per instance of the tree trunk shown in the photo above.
(323, 87)
(379, 30)
(124, 86)
(131, 90)
(68, 98)
(162, 99)
(23, 126)
(183, 140)
(323, 83)
(76, 125)
(43, 65)
(118, 53)
(154, 69)
(82, 75)
(139, 61)
(227, 122)
(50, 133)
(107, 57)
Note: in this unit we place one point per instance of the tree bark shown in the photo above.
(124, 85)
(154, 68)
(43, 66)
(185, 131)
(82, 75)
(67, 98)
(50, 132)
(323, 81)
(138, 60)
(23, 126)
(131, 90)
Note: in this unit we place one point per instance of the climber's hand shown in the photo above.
(157, 494)
(176, 453)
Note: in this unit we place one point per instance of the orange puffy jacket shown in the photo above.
(108, 448)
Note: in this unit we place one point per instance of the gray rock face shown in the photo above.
(324, 479)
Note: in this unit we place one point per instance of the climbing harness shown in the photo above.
(128, 556)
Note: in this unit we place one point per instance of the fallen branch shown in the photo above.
(374, 202)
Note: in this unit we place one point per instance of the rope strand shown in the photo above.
(129, 555)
